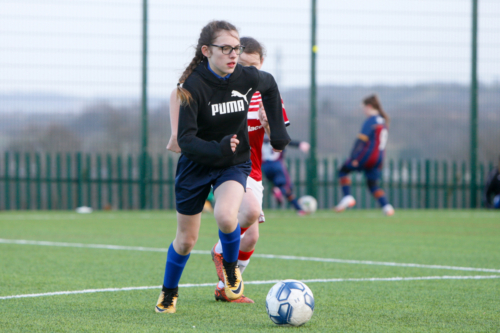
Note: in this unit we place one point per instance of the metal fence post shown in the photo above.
(38, 181)
(312, 174)
(88, 179)
(409, 185)
(120, 181)
(48, 173)
(130, 187)
(144, 106)
(27, 166)
(7, 181)
(79, 188)
(18, 181)
(69, 181)
(427, 184)
(473, 110)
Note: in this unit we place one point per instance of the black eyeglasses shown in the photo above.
(226, 49)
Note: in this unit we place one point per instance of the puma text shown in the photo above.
(228, 107)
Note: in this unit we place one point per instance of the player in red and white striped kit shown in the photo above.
(250, 213)
(251, 207)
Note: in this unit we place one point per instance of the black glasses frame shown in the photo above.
(238, 49)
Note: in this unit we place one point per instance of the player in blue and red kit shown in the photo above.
(367, 156)
(273, 167)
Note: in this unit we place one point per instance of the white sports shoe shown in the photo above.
(388, 210)
(347, 202)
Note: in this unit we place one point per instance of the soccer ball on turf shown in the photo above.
(308, 204)
(290, 303)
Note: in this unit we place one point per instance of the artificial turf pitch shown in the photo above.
(447, 238)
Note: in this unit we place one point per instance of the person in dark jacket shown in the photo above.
(491, 197)
(213, 138)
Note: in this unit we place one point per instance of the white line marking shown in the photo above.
(192, 285)
(379, 263)
(257, 255)
(91, 246)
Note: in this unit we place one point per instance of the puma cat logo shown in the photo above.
(235, 93)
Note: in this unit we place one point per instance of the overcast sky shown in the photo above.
(93, 48)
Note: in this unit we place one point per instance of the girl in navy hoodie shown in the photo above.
(215, 92)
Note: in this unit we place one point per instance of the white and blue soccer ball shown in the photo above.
(290, 303)
(308, 204)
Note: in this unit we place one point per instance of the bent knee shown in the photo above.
(185, 245)
(252, 239)
(226, 223)
(250, 215)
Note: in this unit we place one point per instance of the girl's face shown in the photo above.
(369, 110)
(251, 59)
(222, 64)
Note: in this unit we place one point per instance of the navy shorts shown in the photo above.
(275, 171)
(372, 173)
(193, 182)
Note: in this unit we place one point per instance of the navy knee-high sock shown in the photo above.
(287, 192)
(230, 244)
(345, 182)
(174, 267)
(377, 192)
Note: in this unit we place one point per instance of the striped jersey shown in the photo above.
(256, 135)
(374, 133)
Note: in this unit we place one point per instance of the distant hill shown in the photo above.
(427, 121)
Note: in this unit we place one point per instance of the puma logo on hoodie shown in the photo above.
(235, 93)
(228, 107)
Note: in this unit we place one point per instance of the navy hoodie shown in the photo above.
(219, 110)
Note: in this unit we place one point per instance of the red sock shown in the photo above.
(245, 255)
(243, 230)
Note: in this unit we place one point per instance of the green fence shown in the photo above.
(66, 181)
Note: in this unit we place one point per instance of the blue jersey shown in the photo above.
(374, 134)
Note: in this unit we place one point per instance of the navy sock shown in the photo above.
(346, 190)
(230, 244)
(345, 183)
(377, 192)
(295, 204)
(382, 201)
(174, 267)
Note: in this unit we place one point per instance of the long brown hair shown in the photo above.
(253, 46)
(374, 102)
(207, 36)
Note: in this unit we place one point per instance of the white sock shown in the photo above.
(243, 264)
(220, 285)
(218, 247)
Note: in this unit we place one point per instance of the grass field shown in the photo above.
(461, 298)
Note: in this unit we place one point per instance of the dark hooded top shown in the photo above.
(492, 187)
(218, 110)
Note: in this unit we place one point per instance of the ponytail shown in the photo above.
(183, 95)
(207, 36)
(374, 102)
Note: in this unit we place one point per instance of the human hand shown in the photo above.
(173, 145)
(263, 116)
(234, 143)
(304, 146)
